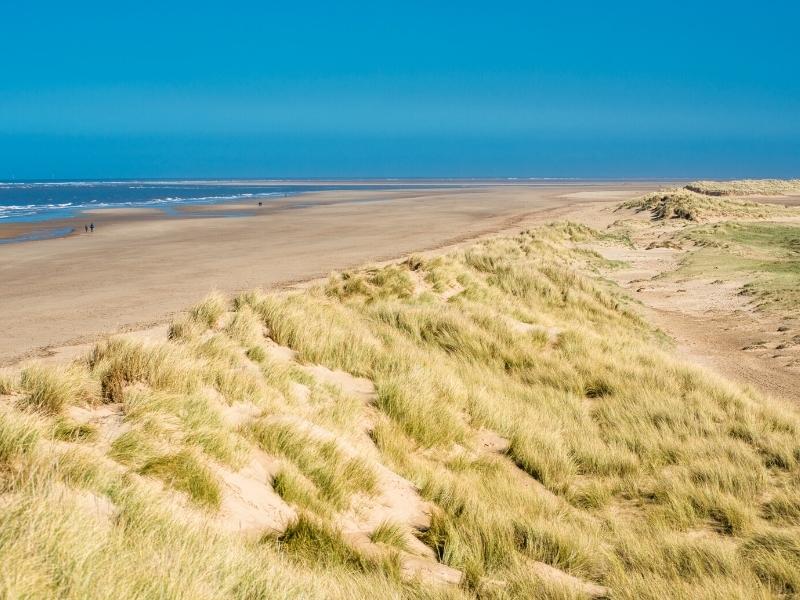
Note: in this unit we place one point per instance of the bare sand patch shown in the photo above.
(489, 441)
(278, 352)
(107, 418)
(239, 413)
(551, 573)
(249, 504)
(122, 212)
(223, 207)
(358, 387)
(599, 195)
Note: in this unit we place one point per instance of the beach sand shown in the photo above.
(138, 268)
(122, 212)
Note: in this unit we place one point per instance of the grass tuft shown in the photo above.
(209, 311)
(68, 430)
(19, 434)
(390, 534)
(316, 543)
(8, 382)
(186, 473)
(51, 389)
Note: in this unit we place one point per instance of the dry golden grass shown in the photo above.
(8, 382)
(685, 203)
(51, 389)
(746, 187)
(625, 468)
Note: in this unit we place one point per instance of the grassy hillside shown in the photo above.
(492, 423)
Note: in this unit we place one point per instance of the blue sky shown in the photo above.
(249, 89)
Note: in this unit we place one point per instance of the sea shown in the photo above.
(36, 201)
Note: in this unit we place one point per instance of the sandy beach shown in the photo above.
(138, 268)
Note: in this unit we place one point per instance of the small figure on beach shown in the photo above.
(86, 228)
(91, 226)
(260, 203)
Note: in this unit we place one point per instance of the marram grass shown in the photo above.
(620, 465)
(687, 204)
(744, 187)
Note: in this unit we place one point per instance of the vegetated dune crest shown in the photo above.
(687, 203)
(745, 187)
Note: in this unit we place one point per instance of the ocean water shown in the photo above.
(31, 201)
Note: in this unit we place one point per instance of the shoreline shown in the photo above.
(71, 348)
(137, 272)
(38, 229)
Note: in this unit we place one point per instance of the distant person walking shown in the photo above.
(91, 226)
(86, 228)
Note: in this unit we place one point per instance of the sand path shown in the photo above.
(712, 324)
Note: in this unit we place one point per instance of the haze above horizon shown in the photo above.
(182, 90)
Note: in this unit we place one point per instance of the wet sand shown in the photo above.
(139, 268)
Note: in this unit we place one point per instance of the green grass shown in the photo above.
(335, 476)
(764, 255)
(390, 534)
(68, 430)
(257, 354)
(184, 472)
(134, 448)
(316, 543)
(633, 436)
(296, 489)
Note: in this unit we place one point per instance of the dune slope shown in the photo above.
(495, 422)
